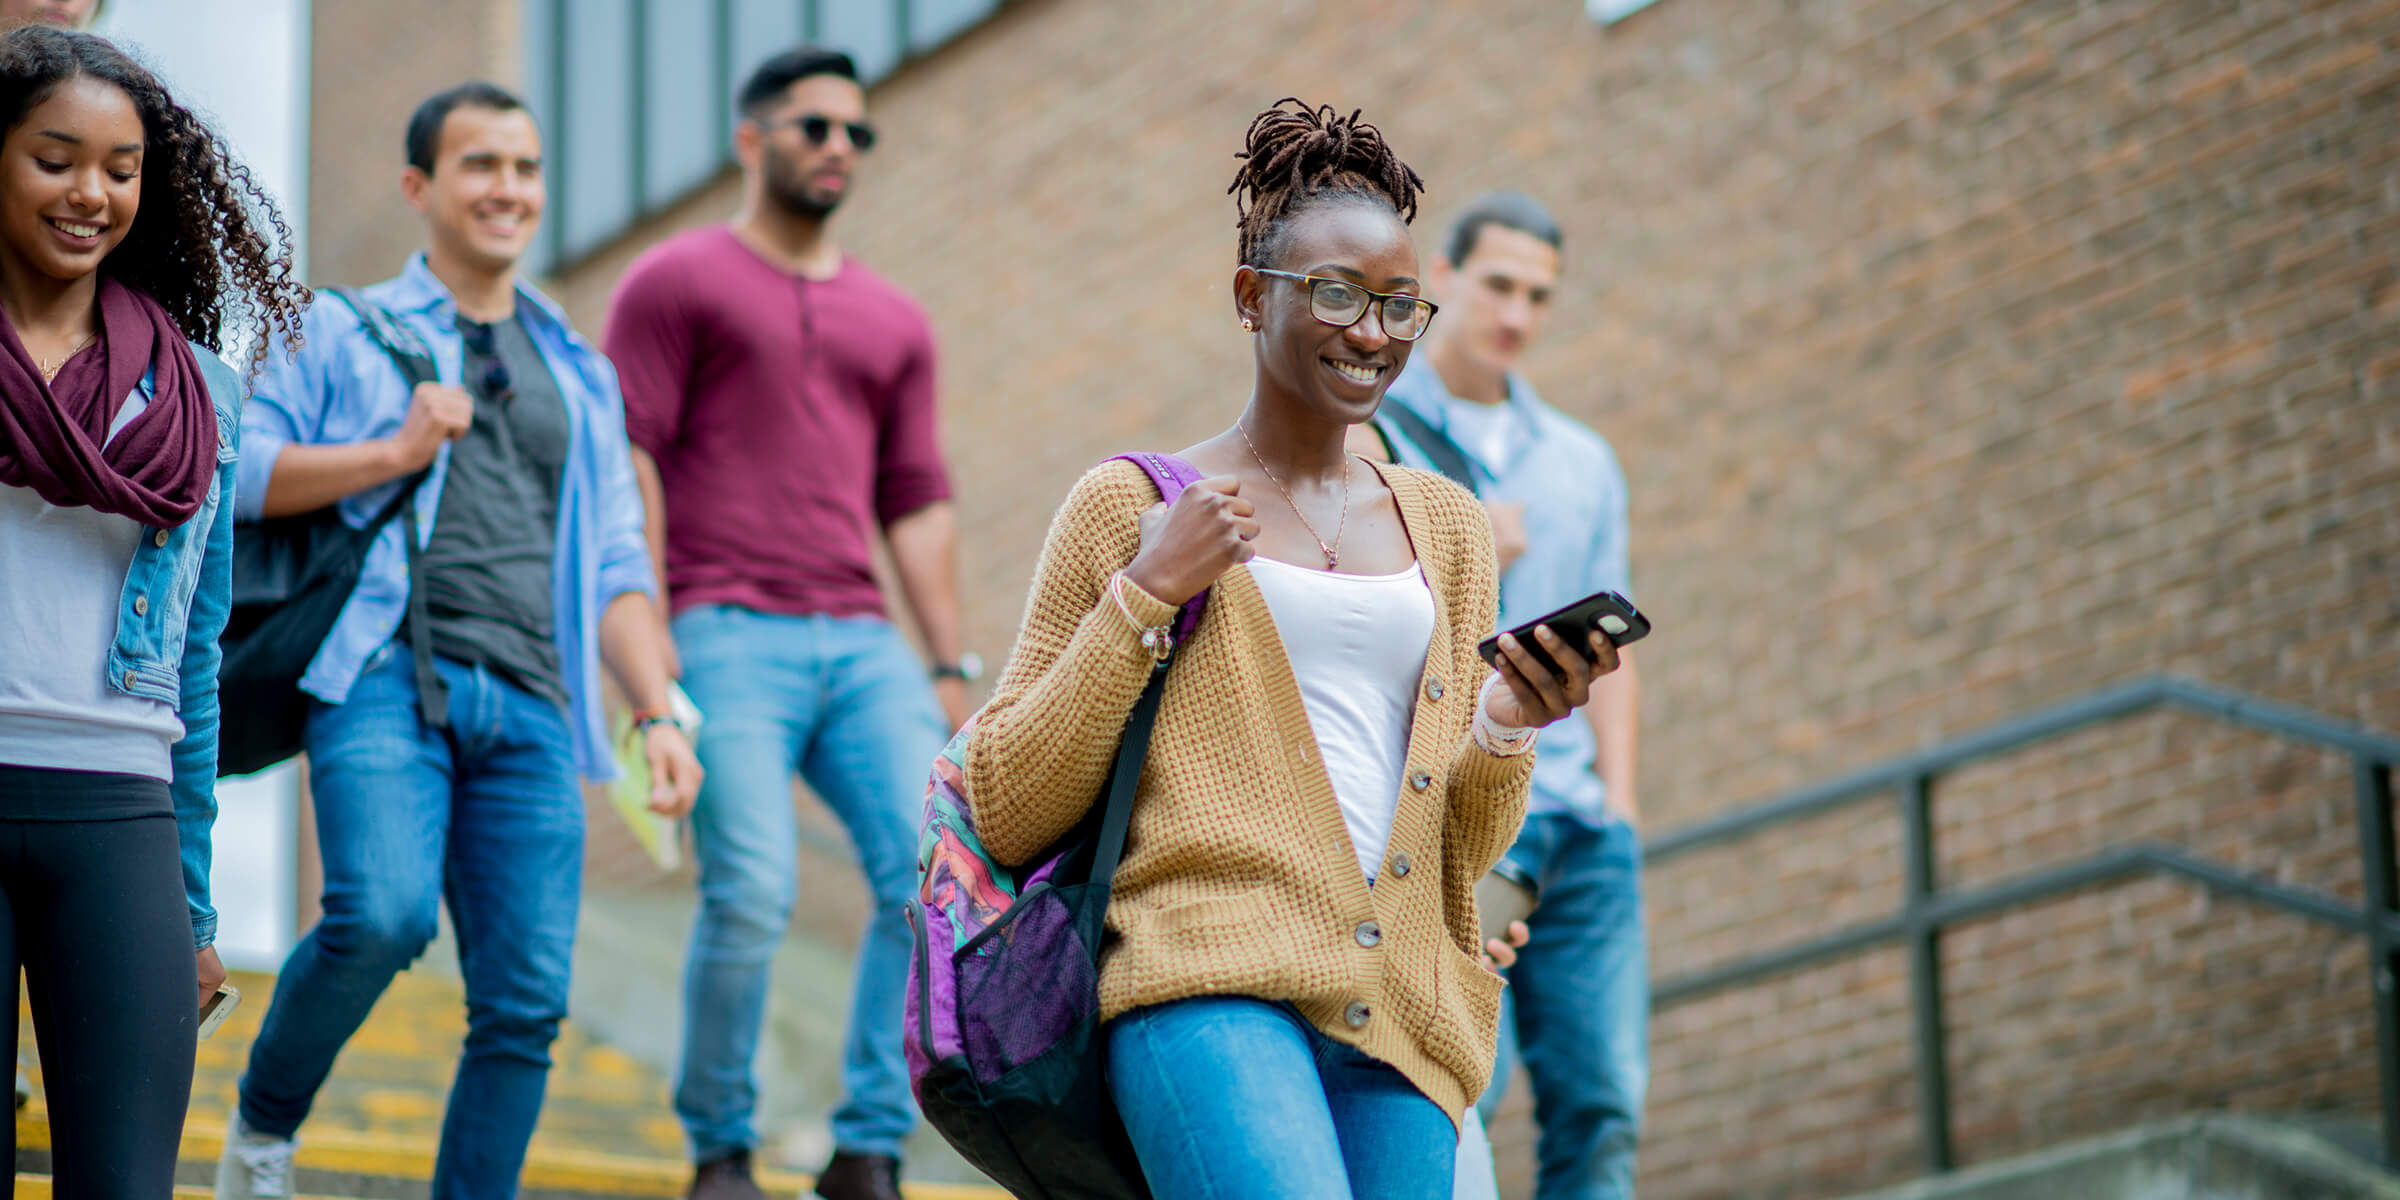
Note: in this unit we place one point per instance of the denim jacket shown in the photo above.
(178, 592)
(342, 388)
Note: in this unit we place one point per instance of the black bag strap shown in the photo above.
(409, 353)
(1439, 449)
(1132, 753)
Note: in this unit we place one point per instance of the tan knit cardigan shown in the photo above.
(1239, 876)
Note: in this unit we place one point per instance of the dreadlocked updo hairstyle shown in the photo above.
(1296, 156)
(207, 244)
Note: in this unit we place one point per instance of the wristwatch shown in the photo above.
(968, 668)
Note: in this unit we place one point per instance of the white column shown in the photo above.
(243, 65)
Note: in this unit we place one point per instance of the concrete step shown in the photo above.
(393, 1079)
(2218, 1157)
(37, 1187)
(354, 1166)
(607, 1129)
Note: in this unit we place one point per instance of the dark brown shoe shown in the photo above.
(860, 1177)
(726, 1178)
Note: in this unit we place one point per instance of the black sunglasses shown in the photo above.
(494, 382)
(818, 129)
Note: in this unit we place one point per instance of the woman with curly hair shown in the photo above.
(1295, 1002)
(129, 242)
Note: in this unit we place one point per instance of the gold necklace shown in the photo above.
(50, 370)
(1333, 557)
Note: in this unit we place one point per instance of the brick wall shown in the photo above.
(1962, 356)
(372, 63)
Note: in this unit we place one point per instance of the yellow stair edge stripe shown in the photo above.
(355, 1153)
(37, 1187)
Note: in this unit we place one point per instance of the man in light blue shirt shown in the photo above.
(451, 718)
(1577, 1010)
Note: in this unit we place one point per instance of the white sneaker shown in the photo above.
(254, 1166)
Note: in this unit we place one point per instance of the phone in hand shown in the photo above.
(1504, 895)
(219, 1007)
(1613, 615)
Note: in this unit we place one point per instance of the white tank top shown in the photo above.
(1357, 647)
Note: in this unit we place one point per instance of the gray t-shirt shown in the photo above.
(495, 534)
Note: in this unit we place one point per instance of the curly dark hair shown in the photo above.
(216, 249)
(1297, 156)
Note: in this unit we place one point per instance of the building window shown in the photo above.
(635, 97)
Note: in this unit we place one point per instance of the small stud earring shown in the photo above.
(1249, 326)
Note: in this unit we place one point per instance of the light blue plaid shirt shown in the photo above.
(1574, 496)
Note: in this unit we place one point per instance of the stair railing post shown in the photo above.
(2382, 880)
(1925, 974)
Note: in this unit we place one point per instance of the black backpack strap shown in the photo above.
(1132, 753)
(1439, 449)
(409, 353)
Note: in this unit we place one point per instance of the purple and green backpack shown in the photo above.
(1003, 1009)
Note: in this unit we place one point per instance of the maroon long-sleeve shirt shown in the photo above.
(789, 417)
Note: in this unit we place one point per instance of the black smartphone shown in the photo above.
(1613, 615)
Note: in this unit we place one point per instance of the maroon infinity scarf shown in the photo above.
(52, 435)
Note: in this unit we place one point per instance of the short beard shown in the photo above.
(794, 195)
(801, 203)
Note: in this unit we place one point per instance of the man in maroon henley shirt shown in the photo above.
(780, 397)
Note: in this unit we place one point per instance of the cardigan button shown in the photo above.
(1433, 689)
(1369, 934)
(1420, 781)
(1356, 1014)
(1400, 865)
(159, 539)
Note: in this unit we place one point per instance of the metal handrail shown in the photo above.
(1926, 908)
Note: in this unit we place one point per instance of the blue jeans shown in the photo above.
(845, 703)
(486, 815)
(1226, 1096)
(1577, 1009)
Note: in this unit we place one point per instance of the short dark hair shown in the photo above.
(767, 83)
(1508, 210)
(425, 125)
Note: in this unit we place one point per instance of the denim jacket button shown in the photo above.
(129, 680)
(141, 606)
(159, 539)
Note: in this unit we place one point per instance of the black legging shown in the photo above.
(93, 910)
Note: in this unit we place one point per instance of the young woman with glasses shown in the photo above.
(129, 240)
(1295, 1000)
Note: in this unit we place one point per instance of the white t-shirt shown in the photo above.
(1483, 430)
(62, 578)
(1357, 647)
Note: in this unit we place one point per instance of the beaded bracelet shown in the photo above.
(1497, 740)
(1159, 640)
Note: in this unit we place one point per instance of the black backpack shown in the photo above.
(292, 576)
